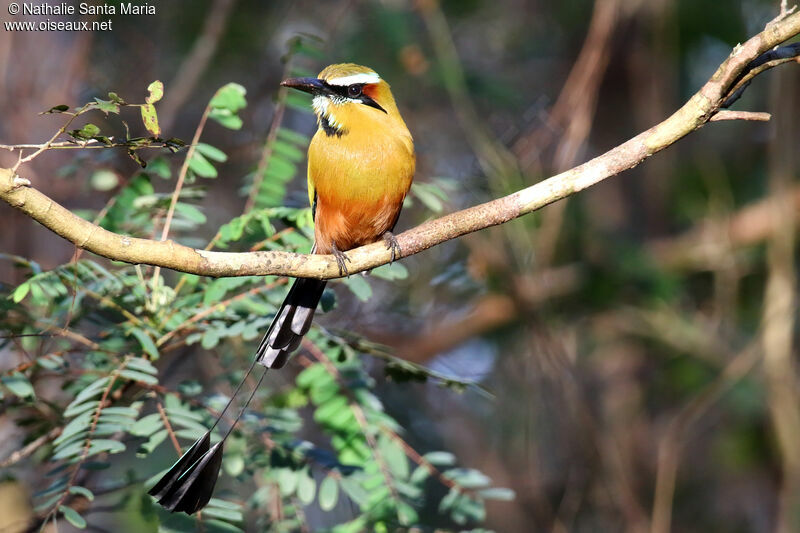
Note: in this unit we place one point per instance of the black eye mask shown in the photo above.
(353, 92)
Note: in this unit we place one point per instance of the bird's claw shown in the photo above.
(341, 261)
(392, 245)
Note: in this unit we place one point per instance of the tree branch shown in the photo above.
(755, 55)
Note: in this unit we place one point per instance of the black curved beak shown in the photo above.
(308, 85)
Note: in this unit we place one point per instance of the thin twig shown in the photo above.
(266, 154)
(87, 445)
(168, 426)
(31, 447)
(218, 307)
(47, 144)
(359, 415)
(726, 114)
(177, 192)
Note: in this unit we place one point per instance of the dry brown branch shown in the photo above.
(740, 115)
(692, 116)
(31, 447)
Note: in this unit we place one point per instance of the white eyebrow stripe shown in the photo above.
(366, 77)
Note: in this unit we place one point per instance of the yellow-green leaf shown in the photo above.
(156, 90)
(150, 119)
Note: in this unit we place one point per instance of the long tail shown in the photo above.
(188, 485)
(291, 323)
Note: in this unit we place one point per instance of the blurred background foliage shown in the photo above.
(623, 360)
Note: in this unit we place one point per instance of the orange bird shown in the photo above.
(360, 166)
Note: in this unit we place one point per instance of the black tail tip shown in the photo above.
(188, 485)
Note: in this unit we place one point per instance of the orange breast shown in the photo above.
(360, 180)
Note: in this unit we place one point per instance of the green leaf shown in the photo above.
(156, 90)
(427, 196)
(224, 514)
(190, 387)
(468, 478)
(214, 526)
(201, 166)
(19, 385)
(420, 474)
(394, 456)
(135, 375)
(106, 445)
(70, 450)
(310, 375)
(234, 464)
(155, 439)
(449, 500)
(56, 109)
(288, 151)
(75, 409)
(323, 391)
(83, 491)
(20, 292)
(328, 301)
(359, 286)
(306, 486)
(330, 408)
(104, 180)
(390, 272)
(440, 458)
(147, 425)
(293, 137)
(145, 342)
(51, 361)
(224, 504)
(72, 516)
(191, 212)
(77, 425)
(86, 132)
(150, 119)
(287, 480)
(135, 156)
(226, 118)
(497, 493)
(95, 388)
(230, 97)
(125, 412)
(328, 493)
(406, 514)
(468, 509)
(160, 168)
(211, 152)
(142, 365)
(114, 97)
(107, 106)
(210, 339)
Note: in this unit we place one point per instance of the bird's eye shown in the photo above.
(354, 91)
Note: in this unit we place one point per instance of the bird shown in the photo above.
(361, 164)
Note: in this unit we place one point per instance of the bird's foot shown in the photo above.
(393, 245)
(341, 260)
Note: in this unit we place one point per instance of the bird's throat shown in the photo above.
(328, 129)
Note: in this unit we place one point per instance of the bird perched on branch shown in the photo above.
(360, 166)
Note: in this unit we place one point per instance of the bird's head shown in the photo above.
(346, 94)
